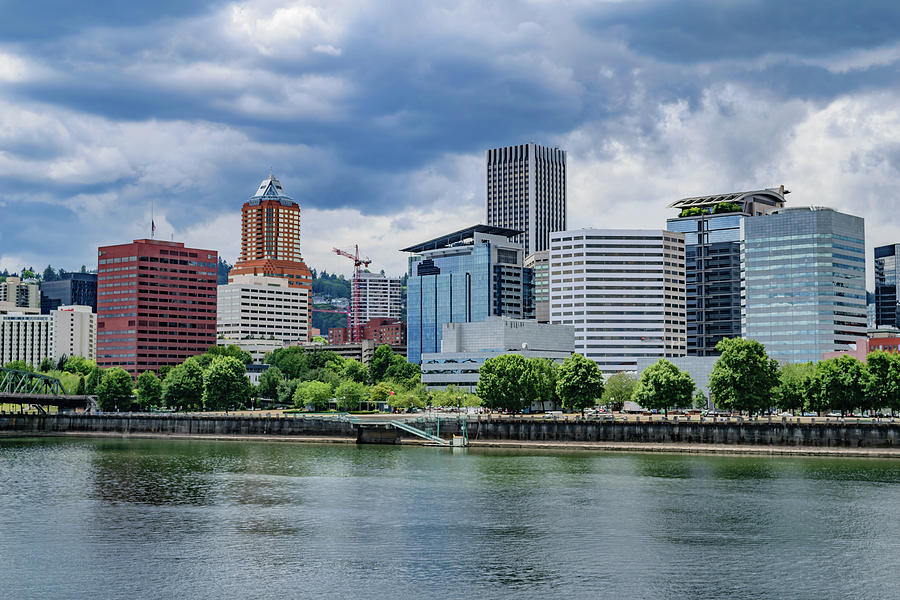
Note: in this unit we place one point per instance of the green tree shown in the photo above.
(538, 382)
(700, 400)
(268, 382)
(883, 390)
(381, 392)
(115, 389)
(46, 365)
(663, 385)
(79, 364)
(744, 377)
(579, 383)
(19, 365)
(183, 386)
(349, 394)
(286, 389)
(412, 396)
(354, 371)
(305, 364)
(149, 390)
(381, 361)
(313, 393)
(794, 386)
(840, 384)
(93, 380)
(231, 350)
(499, 382)
(164, 371)
(81, 390)
(617, 389)
(225, 384)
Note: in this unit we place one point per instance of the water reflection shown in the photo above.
(213, 520)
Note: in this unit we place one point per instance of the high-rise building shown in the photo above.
(805, 273)
(713, 239)
(72, 289)
(25, 336)
(270, 238)
(526, 190)
(537, 286)
(379, 297)
(74, 332)
(623, 290)
(16, 296)
(156, 304)
(887, 286)
(462, 277)
(252, 308)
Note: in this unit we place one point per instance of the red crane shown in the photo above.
(354, 317)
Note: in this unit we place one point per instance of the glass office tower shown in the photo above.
(887, 284)
(462, 277)
(713, 238)
(805, 278)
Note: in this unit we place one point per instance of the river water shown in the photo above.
(105, 519)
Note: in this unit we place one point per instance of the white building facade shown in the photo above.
(379, 297)
(25, 337)
(74, 332)
(252, 308)
(623, 290)
(465, 347)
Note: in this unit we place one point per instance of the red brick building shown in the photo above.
(379, 330)
(156, 304)
(889, 342)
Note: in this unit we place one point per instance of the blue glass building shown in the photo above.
(463, 277)
(805, 278)
(887, 285)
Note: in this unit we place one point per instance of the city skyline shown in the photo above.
(110, 110)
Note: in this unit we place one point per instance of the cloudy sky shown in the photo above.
(375, 115)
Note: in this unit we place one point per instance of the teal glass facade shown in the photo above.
(805, 291)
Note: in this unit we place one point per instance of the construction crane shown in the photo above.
(354, 317)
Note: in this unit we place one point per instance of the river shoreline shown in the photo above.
(649, 447)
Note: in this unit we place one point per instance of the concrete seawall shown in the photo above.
(759, 434)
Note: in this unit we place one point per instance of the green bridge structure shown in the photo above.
(40, 391)
(427, 433)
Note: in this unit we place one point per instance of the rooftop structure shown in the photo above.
(445, 241)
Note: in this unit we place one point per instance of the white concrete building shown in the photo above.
(74, 332)
(623, 290)
(465, 347)
(16, 296)
(379, 296)
(25, 337)
(253, 307)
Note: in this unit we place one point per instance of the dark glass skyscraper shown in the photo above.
(712, 226)
(526, 190)
(72, 288)
(887, 286)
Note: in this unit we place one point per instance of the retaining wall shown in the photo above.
(758, 433)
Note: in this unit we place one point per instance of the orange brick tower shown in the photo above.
(270, 237)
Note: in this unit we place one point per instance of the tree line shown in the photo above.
(743, 379)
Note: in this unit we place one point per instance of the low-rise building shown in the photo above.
(465, 347)
(74, 332)
(25, 337)
(380, 331)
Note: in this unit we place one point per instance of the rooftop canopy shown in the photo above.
(463, 234)
(270, 189)
(705, 201)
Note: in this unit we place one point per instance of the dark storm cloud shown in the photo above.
(351, 106)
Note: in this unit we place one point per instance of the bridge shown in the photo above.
(39, 390)
(378, 424)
